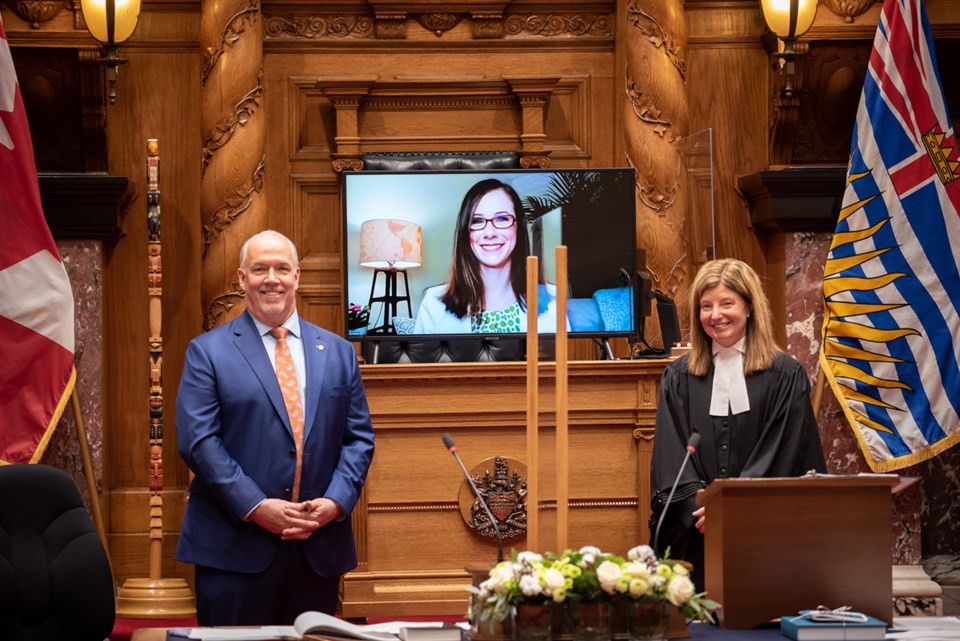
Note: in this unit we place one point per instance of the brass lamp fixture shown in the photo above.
(789, 19)
(111, 22)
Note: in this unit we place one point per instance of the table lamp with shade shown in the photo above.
(390, 247)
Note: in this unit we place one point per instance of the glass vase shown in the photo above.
(647, 620)
(590, 621)
(532, 622)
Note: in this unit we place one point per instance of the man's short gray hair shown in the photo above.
(269, 233)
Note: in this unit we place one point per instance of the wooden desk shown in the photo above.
(149, 634)
(698, 632)
(412, 542)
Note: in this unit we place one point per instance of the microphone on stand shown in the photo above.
(692, 444)
(450, 445)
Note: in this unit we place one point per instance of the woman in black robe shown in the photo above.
(748, 400)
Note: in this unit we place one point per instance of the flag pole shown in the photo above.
(818, 391)
(88, 467)
(155, 597)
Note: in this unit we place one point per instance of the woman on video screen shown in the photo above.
(485, 293)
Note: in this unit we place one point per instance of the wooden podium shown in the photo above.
(777, 546)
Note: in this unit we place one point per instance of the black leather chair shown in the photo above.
(55, 578)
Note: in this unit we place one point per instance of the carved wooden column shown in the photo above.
(345, 98)
(232, 203)
(653, 36)
(532, 95)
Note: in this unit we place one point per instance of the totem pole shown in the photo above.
(155, 597)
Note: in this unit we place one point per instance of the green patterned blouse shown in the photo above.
(502, 321)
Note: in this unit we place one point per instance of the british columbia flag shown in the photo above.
(36, 302)
(891, 330)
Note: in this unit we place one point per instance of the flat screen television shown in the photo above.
(401, 255)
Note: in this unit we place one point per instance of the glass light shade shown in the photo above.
(390, 244)
(777, 15)
(127, 12)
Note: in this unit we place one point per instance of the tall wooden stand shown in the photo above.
(778, 546)
(155, 597)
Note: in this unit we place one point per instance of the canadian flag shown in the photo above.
(36, 302)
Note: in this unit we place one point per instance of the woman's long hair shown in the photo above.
(761, 348)
(465, 291)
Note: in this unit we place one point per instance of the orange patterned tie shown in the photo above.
(287, 377)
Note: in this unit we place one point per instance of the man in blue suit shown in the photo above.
(268, 521)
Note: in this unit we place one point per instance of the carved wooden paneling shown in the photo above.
(567, 121)
(50, 86)
(728, 76)
(312, 120)
(833, 82)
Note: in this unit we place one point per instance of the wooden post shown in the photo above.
(562, 440)
(533, 407)
(155, 597)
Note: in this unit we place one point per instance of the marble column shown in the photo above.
(84, 262)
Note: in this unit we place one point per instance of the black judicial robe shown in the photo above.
(777, 437)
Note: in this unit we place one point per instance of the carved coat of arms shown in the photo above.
(505, 491)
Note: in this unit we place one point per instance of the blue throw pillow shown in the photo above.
(584, 315)
(616, 308)
(403, 325)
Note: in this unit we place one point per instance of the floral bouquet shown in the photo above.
(645, 577)
(357, 316)
(587, 575)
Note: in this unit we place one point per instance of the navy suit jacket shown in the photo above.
(234, 433)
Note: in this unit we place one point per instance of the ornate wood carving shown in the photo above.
(347, 164)
(552, 25)
(534, 162)
(490, 23)
(312, 27)
(36, 12)
(487, 26)
(352, 98)
(833, 76)
(52, 85)
(232, 203)
(219, 310)
(245, 16)
(241, 200)
(438, 23)
(647, 25)
(848, 9)
(643, 110)
(655, 118)
(390, 25)
(504, 489)
(225, 129)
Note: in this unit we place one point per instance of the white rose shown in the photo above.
(553, 579)
(679, 590)
(608, 573)
(499, 576)
(637, 569)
